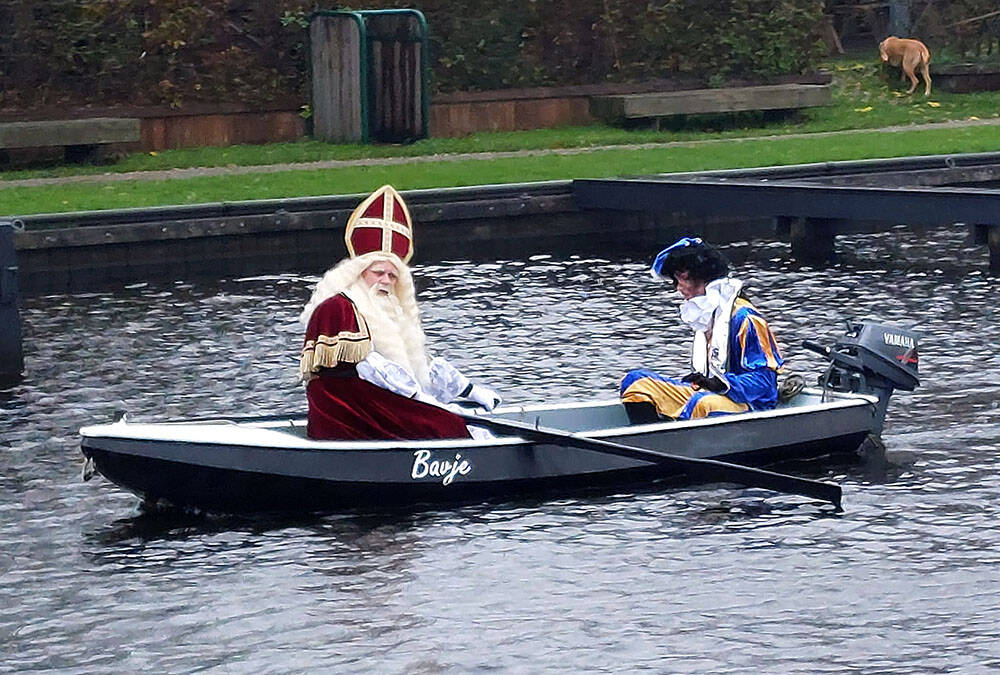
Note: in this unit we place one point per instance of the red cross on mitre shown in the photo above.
(381, 223)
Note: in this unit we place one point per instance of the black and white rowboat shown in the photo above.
(268, 464)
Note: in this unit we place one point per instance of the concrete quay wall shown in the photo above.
(103, 249)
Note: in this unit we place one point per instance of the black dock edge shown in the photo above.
(11, 350)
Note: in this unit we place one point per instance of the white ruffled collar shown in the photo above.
(697, 312)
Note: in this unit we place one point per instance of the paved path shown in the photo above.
(231, 170)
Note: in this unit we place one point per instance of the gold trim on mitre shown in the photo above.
(386, 223)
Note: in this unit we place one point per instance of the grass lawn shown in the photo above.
(863, 99)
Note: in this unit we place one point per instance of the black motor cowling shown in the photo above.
(875, 351)
(872, 358)
(888, 351)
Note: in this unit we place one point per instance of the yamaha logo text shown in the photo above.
(897, 340)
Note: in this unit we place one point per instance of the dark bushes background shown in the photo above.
(173, 52)
(962, 30)
(106, 52)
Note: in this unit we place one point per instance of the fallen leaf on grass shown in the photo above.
(867, 108)
(934, 104)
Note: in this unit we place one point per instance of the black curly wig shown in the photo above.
(702, 263)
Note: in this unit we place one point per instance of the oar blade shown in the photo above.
(724, 472)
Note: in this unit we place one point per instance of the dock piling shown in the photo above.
(11, 351)
(993, 242)
(812, 240)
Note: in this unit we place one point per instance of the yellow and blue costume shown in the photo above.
(738, 349)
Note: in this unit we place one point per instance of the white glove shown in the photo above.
(387, 374)
(484, 396)
(446, 382)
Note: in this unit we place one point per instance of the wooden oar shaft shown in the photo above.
(706, 470)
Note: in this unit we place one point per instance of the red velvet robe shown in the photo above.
(342, 406)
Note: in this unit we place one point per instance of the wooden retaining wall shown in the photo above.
(450, 115)
(220, 129)
(454, 115)
(163, 128)
(463, 113)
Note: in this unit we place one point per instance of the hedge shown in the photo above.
(174, 52)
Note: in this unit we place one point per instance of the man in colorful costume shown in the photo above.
(734, 356)
(364, 360)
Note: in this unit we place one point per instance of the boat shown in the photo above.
(269, 464)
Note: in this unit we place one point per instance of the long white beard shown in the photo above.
(396, 333)
(394, 320)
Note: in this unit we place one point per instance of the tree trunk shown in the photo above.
(899, 18)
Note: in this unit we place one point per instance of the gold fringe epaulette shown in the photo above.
(327, 352)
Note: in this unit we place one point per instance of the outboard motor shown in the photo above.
(872, 358)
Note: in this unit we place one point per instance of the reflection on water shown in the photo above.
(672, 579)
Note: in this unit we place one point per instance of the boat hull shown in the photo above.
(270, 467)
(232, 490)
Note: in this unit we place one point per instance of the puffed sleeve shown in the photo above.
(337, 333)
(755, 378)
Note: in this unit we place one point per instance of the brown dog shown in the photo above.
(911, 55)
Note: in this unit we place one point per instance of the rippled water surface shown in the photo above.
(710, 580)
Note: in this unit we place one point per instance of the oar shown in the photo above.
(706, 470)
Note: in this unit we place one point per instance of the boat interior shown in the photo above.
(610, 414)
(587, 416)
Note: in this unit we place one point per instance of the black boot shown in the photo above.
(641, 412)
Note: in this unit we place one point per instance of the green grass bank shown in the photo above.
(865, 102)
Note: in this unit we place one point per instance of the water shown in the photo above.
(706, 580)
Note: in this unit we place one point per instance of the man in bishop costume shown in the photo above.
(364, 358)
